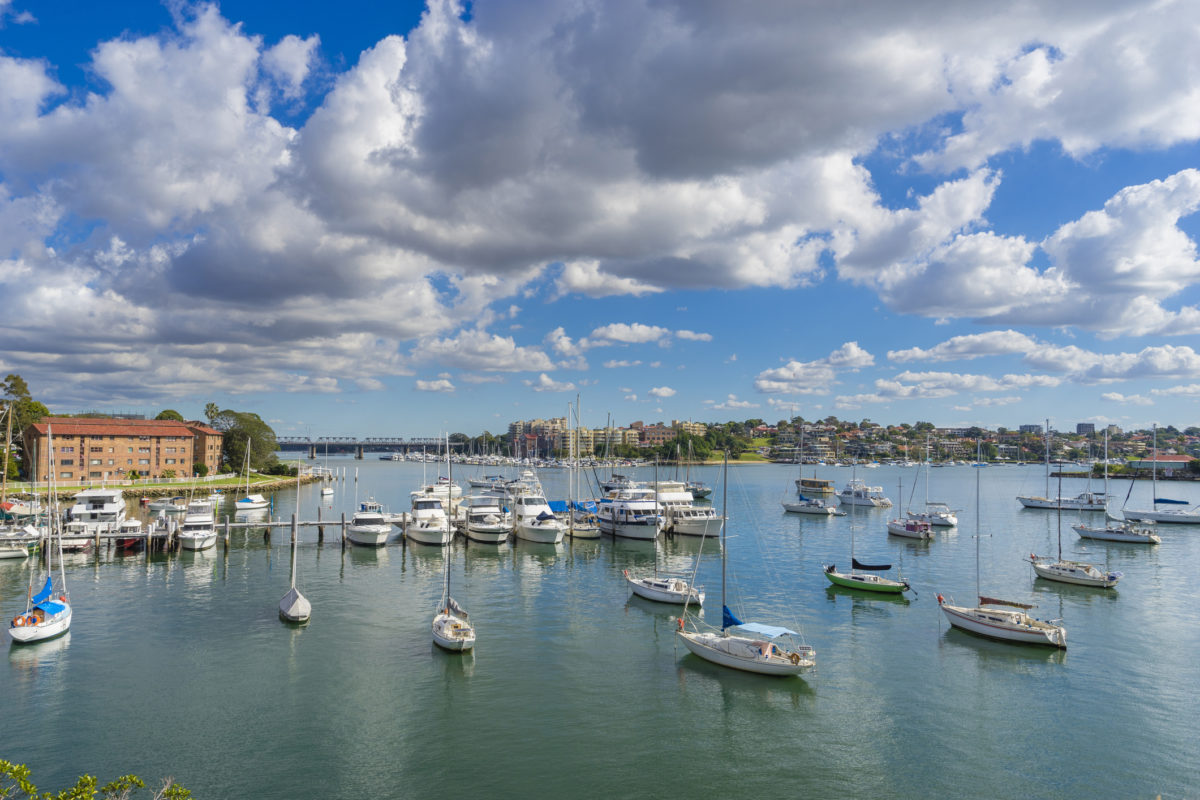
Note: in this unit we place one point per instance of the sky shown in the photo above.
(395, 219)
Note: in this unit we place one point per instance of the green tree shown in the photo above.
(16, 783)
(25, 411)
(211, 410)
(168, 473)
(240, 428)
(200, 468)
(170, 413)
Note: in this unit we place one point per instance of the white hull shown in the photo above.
(873, 502)
(368, 535)
(738, 652)
(255, 506)
(439, 533)
(488, 534)
(1005, 625)
(28, 634)
(910, 529)
(584, 532)
(1117, 535)
(936, 519)
(1063, 503)
(665, 590)
(1078, 574)
(696, 526)
(644, 531)
(549, 532)
(1176, 517)
(194, 541)
(8, 550)
(452, 633)
(817, 508)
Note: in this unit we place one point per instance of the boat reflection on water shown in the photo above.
(31, 657)
(736, 687)
(833, 592)
(992, 653)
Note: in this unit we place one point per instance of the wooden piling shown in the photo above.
(320, 527)
(343, 530)
(295, 529)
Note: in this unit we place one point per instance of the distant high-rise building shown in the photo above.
(1085, 428)
(1031, 429)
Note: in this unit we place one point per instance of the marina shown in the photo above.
(567, 660)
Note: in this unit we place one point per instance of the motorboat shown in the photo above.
(198, 531)
(486, 521)
(665, 589)
(130, 536)
(535, 521)
(631, 513)
(18, 542)
(857, 493)
(910, 528)
(812, 505)
(368, 529)
(427, 522)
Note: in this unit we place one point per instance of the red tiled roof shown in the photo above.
(79, 426)
(200, 427)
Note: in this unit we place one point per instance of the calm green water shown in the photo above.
(178, 665)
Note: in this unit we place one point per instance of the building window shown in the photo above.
(111, 462)
(143, 461)
(170, 449)
(110, 449)
(143, 449)
(94, 474)
(96, 462)
(65, 474)
(129, 461)
(131, 449)
(97, 449)
(66, 462)
(170, 461)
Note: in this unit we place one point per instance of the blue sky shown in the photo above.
(401, 219)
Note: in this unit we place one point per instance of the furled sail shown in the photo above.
(869, 567)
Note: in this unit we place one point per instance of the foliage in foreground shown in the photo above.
(15, 784)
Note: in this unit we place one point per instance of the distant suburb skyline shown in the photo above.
(400, 219)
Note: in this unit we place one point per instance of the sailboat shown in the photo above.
(935, 513)
(810, 505)
(581, 517)
(1189, 516)
(451, 626)
(665, 588)
(46, 615)
(1127, 531)
(735, 650)
(251, 502)
(908, 528)
(1075, 572)
(1084, 501)
(862, 576)
(1011, 622)
(294, 607)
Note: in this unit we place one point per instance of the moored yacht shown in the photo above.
(198, 531)
(368, 529)
(629, 513)
(857, 493)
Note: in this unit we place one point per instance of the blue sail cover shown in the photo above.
(558, 506)
(728, 619)
(44, 594)
(545, 515)
(585, 505)
(804, 499)
(770, 631)
(1173, 502)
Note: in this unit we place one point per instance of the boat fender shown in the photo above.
(680, 621)
(18, 622)
(795, 658)
(62, 597)
(940, 599)
(31, 620)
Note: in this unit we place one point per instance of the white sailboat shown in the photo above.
(665, 588)
(936, 513)
(1127, 531)
(760, 653)
(908, 528)
(294, 607)
(47, 615)
(251, 502)
(809, 505)
(1188, 516)
(451, 626)
(1011, 621)
(581, 521)
(1076, 572)
(1084, 501)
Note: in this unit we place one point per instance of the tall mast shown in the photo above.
(724, 525)
(978, 535)
(1154, 470)
(1048, 458)
(7, 448)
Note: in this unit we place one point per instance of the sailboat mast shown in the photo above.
(7, 448)
(724, 525)
(1048, 458)
(1154, 469)
(978, 535)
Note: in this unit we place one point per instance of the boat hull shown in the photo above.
(867, 583)
(910, 529)
(294, 607)
(644, 531)
(710, 647)
(1172, 517)
(967, 619)
(198, 542)
(541, 533)
(488, 534)
(368, 535)
(665, 590)
(1115, 535)
(1101, 581)
(49, 629)
(1061, 504)
(451, 633)
(694, 525)
(816, 509)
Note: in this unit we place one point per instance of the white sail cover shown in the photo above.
(770, 631)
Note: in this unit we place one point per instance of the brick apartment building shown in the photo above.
(110, 449)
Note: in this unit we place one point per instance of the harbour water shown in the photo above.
(179, 665)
